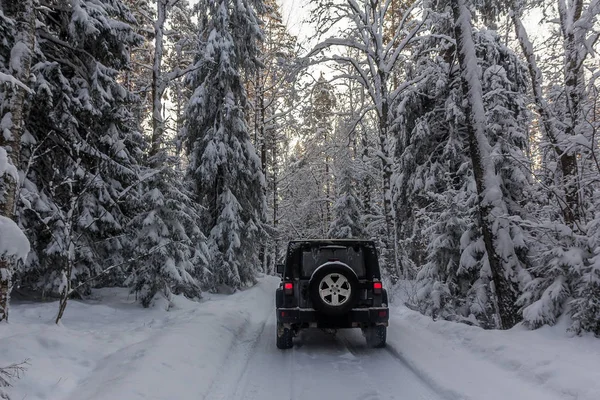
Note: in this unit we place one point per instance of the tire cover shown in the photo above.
(315, 280)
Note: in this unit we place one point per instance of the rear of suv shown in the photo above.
(331, 284)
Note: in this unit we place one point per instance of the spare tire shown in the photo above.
(333, 288)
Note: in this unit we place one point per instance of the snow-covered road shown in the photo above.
(320, 366)
(224, 349)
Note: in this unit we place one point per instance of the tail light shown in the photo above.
(288, 288)
(377, 286)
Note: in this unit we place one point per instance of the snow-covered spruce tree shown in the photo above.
(81, 152)
(224, 167)
(501, 247)
(347, 222)
(435, 188)
(317, 152)
(168, 247)
(437, 182)
(585, 299)
(17, 26)
(585, 303)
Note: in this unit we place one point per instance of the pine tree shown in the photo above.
(347, 222)
(500, 247)
(224, 167)
(169, 249)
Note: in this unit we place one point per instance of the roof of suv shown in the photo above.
(335, 241)
(293, 258)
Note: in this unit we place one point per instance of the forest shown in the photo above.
(175, 147)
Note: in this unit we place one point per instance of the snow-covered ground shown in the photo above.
(224, 348)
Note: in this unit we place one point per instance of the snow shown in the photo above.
(5, 78)
(111, 348)
(6, 167)
(518, 363)
(224, 348)
(13, 241)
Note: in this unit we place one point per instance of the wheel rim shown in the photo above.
(335, 289)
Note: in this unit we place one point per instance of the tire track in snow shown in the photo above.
(343, 366)
(248, 387)
(318, 366)
(443, 392)
(242, 383)
(363, 351)
(233, 370)
(397, 356)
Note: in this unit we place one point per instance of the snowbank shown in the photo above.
(13, 241)
(471, 363)
(114, 349)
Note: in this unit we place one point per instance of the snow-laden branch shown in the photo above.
(327, 43)
(5, 78)
(408, 39)
(400, 28)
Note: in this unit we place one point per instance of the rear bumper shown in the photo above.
(357, 317)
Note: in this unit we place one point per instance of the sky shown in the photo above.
(294, 12)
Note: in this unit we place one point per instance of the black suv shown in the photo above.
(331, 284)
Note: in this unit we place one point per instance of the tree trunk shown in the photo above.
(389, 239)
(23, 13)
(260, 92)
(67, 267)
(5, 287)
(488, 188)
(157, 84)
(366, 187)
(567, 161)
(275, 199)
(574, 93)
(327, 193)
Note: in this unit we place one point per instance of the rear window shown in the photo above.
(314, 257)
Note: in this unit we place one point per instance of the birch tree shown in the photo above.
(361, 27)
(19, 15)
(563, 102)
